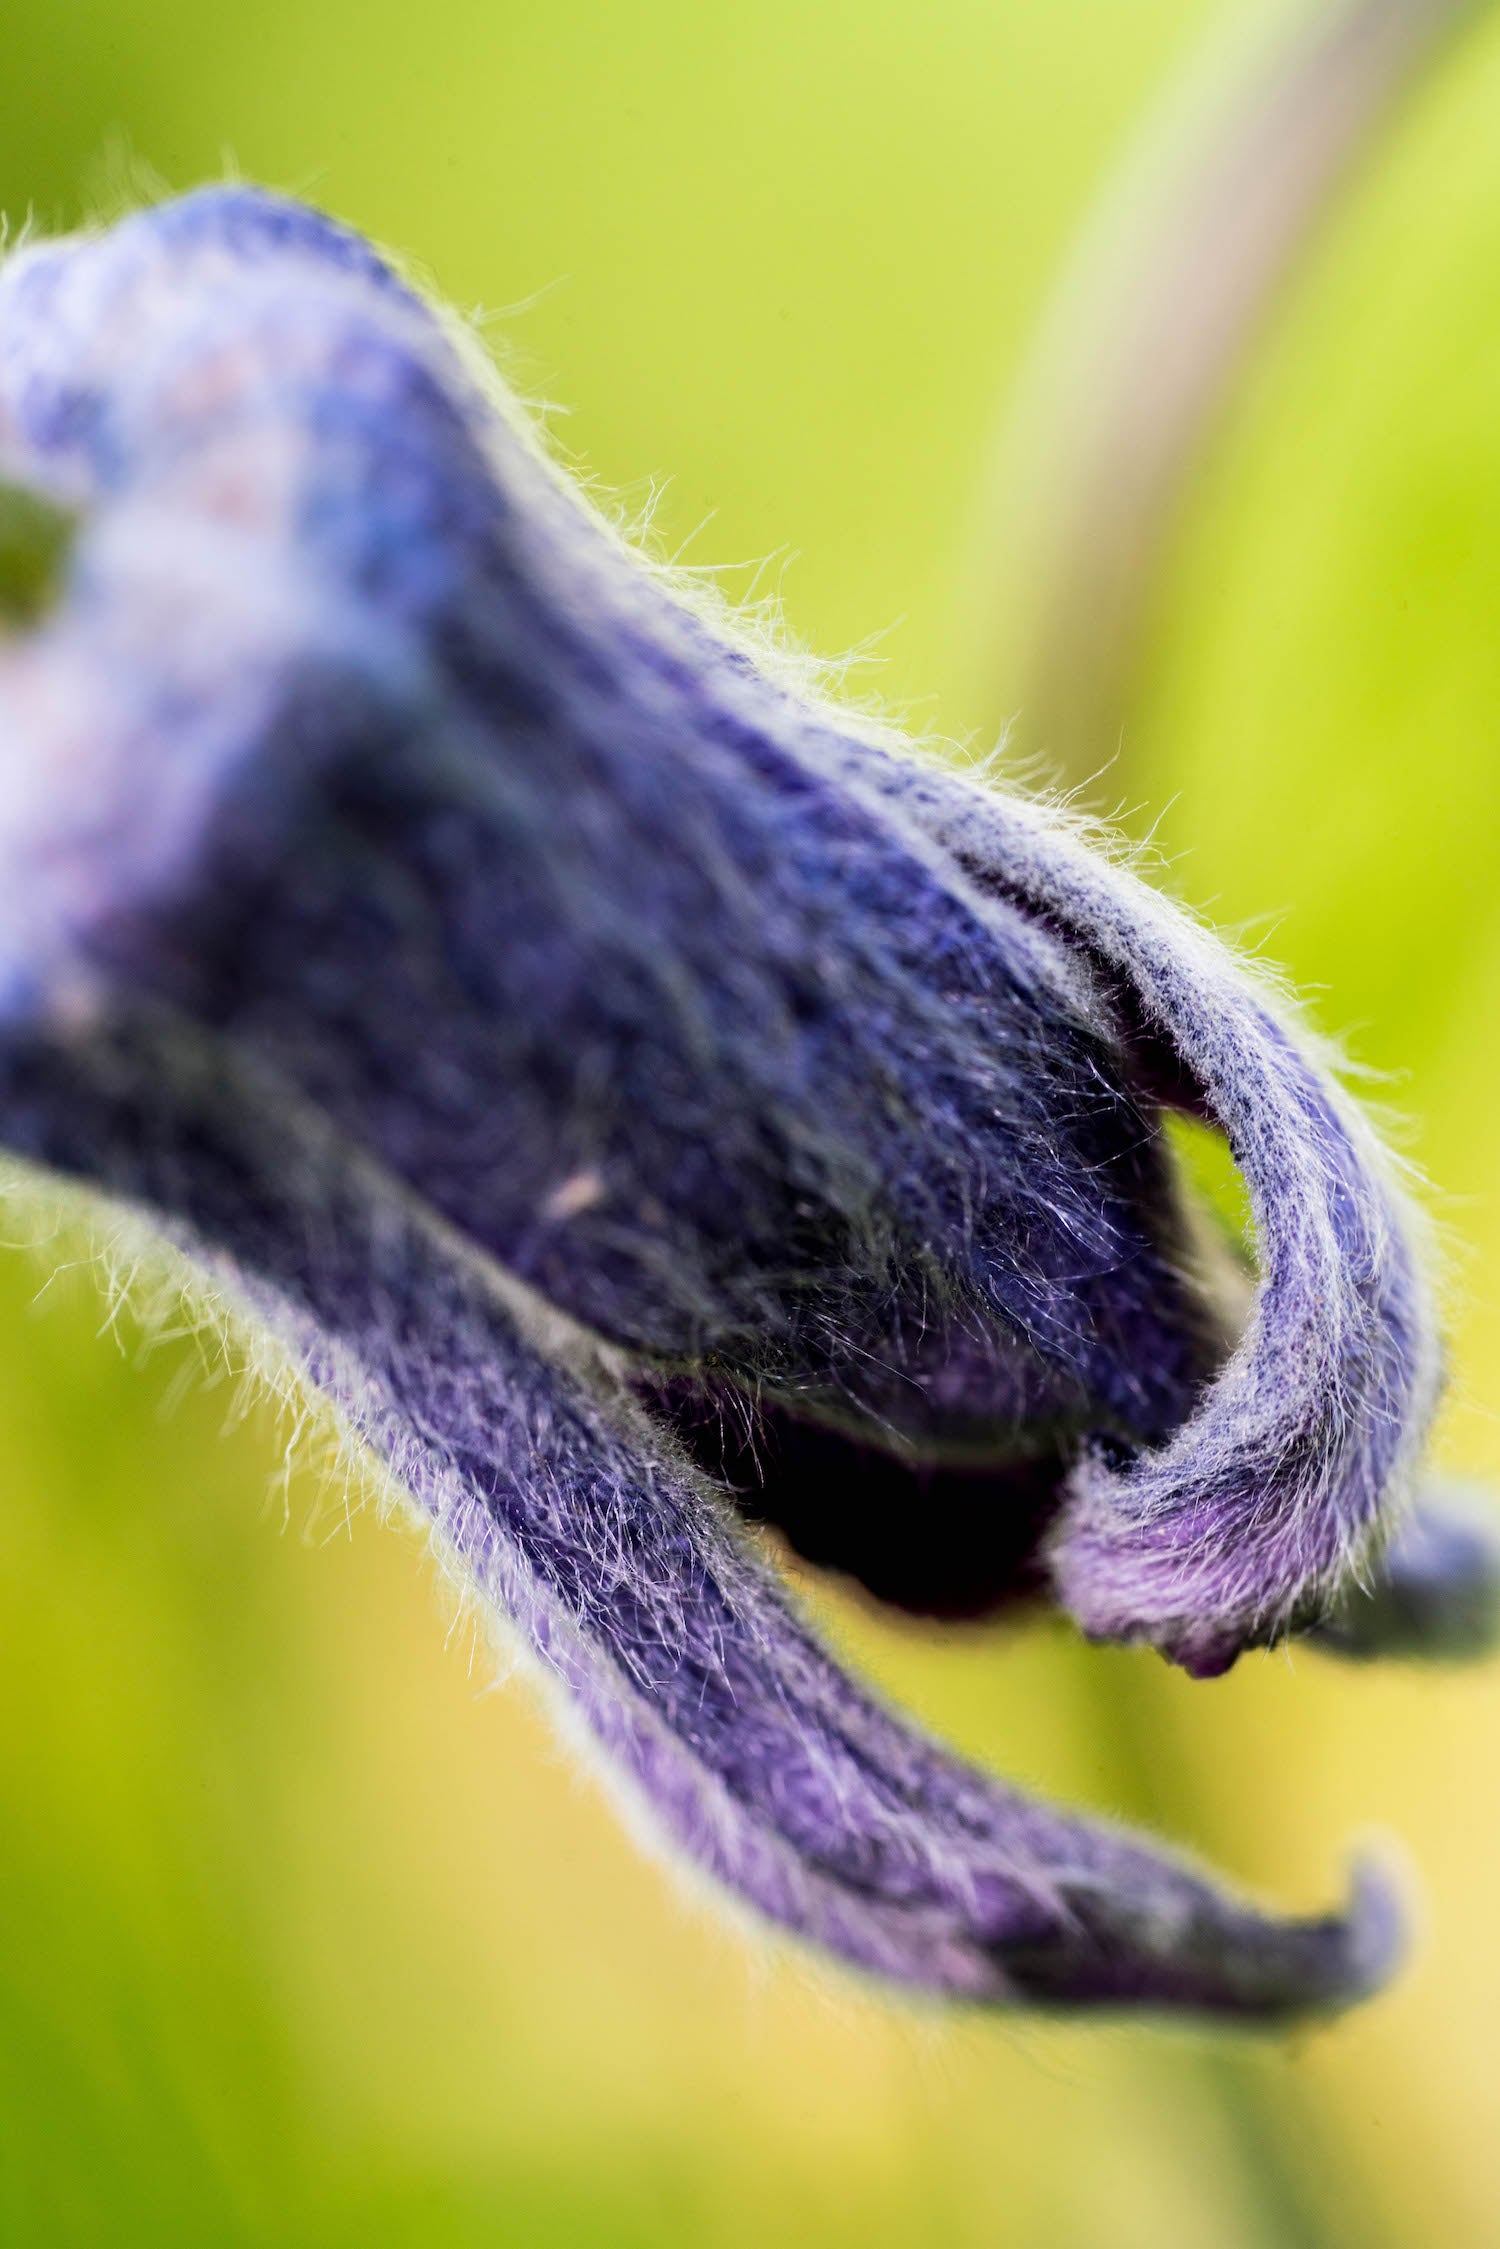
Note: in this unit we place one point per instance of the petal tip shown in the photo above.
(1376, 1929)
(1435, 1597)
(1183, 1949)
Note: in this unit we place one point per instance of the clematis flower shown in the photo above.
(648, 1102)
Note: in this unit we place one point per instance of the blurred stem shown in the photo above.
(1292, 2172)
(1192, 244)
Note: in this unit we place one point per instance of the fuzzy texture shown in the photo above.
(596, 1058)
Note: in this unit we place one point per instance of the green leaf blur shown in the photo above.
(34, 539)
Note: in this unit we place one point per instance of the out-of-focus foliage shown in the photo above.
(304, 1937)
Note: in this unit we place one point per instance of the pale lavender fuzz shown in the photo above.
(651, 1103)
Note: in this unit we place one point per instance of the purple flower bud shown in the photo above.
(643, 1098)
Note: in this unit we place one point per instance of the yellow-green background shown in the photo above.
(306, 1937)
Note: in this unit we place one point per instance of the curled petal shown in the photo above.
(1246, 1522)
(755, 1755)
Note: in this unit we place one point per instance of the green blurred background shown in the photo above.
(307, 1936)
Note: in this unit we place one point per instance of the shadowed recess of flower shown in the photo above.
(647, 1101)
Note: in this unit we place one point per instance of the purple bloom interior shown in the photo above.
(648, 1101)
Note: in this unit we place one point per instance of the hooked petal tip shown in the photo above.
(1191, 1950)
